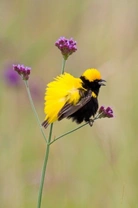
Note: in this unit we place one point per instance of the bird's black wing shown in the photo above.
(68, 109)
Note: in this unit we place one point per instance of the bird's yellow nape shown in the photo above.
(92, 74)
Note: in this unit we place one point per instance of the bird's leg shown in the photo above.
(91, 121)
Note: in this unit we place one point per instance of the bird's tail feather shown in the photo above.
(45, 124)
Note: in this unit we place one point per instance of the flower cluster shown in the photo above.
(105, 112)
(66, 46)
(22, 70)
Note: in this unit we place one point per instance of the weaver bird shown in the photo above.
(70, 97)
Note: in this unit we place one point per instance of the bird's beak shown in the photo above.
(101, 82)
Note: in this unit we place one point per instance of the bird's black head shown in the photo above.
(92, 80)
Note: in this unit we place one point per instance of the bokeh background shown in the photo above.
(94, 167)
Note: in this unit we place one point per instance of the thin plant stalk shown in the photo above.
(75, 129)
(47, 153)
(69, 132)
(34, 110)
(63, 66)
(44, 167)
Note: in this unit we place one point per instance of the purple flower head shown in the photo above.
(11, 77)
(66, 46)
(22, 70)
(105, 112)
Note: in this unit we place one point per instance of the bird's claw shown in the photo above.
(91, 121)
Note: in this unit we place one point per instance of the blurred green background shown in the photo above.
(94, 167)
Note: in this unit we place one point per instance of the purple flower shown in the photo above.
(11, 77)
(22, 70)
(66, 46)
(105, 112)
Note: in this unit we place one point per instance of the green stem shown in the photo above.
(34, 110)
(69, 132)
(47, 153)
(63, 66)
(44, 167)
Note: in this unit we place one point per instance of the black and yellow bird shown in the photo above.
(70, 97)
